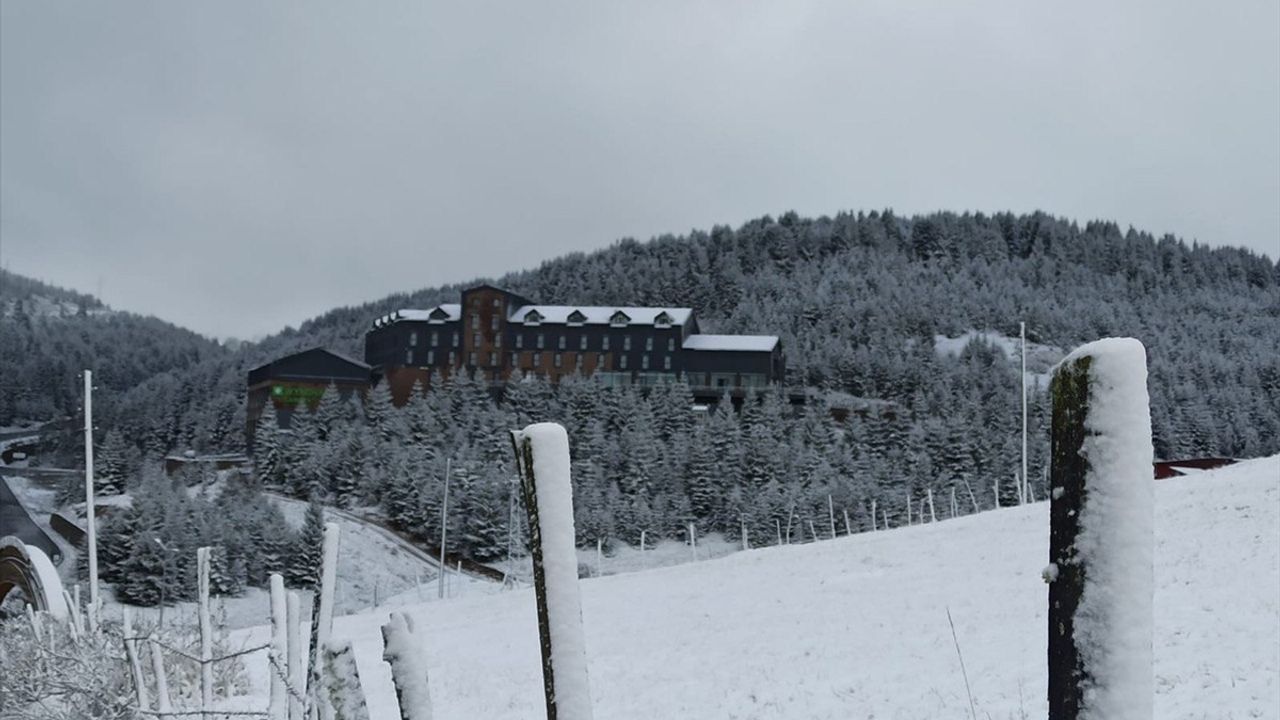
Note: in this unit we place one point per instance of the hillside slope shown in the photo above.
(857, 627)
(48, 335)
(858, 298)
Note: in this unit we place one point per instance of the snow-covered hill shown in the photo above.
(857, 627)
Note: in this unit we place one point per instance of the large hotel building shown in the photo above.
(493, 333)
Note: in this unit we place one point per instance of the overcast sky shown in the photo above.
(239, 166)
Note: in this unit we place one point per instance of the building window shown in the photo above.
(413, 339)
(493, 322)
(622, 362)
(471, 359)
(497, 341)
(431, 357)
(666, 362)
(515, 360)
(497, 302)
(537, 359)
(671, 344)
(435, 338)
(476, 339)
(453, 358)
(555, 360)
(604, 343)
(563, 340)
(577, 361)
(599, 361)
(648, 343)
(493, 359)
(582, 343)
(626, 343)
(542, 341)
(644, 362)
(475, 321)
(408, 357)
(455, 339)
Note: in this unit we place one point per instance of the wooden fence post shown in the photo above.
(278, 706)
(402, 650)
(1100, 535)
(542, 456)
(135, 662)
(206, 630)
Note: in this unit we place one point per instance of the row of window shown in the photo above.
(540, 342)
(557, 360)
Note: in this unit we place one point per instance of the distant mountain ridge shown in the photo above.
(48, 335)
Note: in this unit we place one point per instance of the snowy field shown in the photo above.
(857, 627)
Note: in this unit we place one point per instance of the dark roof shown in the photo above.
(315, 364)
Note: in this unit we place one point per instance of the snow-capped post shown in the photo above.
(777, 525)
(322, 624)
(831, 515)
(848, 526)
(343, 698)
(884, 515)
(746, 543)
(403, 652)
(693, 542)
(873, 516)
(444, 526)
(642, 536)
(90, 521)
(933, 516)
(1100, 570)
(206, 630)
(813, 530)
(297, 635)
(1022, 331)
(135, 662)
(599, 557)
(164, 705)
(542, 456)
(995, 490)
(908, 508)
(278, 705)
(955, 509)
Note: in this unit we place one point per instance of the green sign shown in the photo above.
(295, 393)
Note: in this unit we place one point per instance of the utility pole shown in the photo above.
(1022, 494)
(90, 521)
(444, 524)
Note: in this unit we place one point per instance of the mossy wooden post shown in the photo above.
(550, 510)
(1100, 535)
(1070, 392)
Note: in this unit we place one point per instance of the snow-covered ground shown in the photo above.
(857, 627)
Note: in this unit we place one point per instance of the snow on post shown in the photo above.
(296, 655)
(542, 456)
(343, 698)
(135, 663)
(323, 622)
(164, 704)
(278, 707)
(206, 630)
(403, 652)
(1101, 535)
(90, 522)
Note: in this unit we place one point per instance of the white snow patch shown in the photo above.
(857, 626)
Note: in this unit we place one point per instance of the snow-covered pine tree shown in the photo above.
(303, 567)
